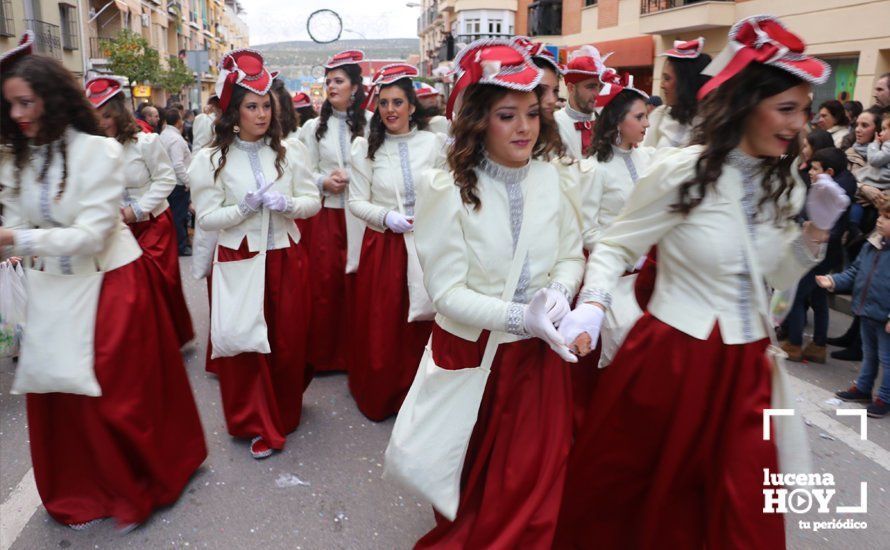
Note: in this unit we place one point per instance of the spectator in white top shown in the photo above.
(202, 128)
(179, 199)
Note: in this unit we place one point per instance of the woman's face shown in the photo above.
(633, 126)
(775, 122)
(339, 89)
(549, 87)
(668, 84)
(514, 124)
(254, 116)
(26, 107)
(106, 121)
(395, 110)
(865, 129)
(825, 120)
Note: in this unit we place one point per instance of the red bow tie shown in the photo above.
(586, 129)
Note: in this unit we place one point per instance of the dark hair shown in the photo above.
(688, 77)
(836, 109)
(176, 105)
(287, 117)
(224, 132)
(855, 108)
(723, 115)
(127, 129)
(876, 114)
(355, 115)
(605, 130)
(64, 106)
(141, 107)
(819, 139)
(304, 114)
(172, 116)
(655, 101)
(378, 129)
(213, 100)
(830, 157)
(470, 126)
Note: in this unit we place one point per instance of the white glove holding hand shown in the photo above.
(584, 318)
(254, 199)
(398, 223)
(826, 202)
(539, 325)
(275, 201)
(557, 306)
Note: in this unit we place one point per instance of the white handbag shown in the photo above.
(237, 317)
(429, 441)
(621, 316)
(355, 227)
(58, 345)
(420, 305)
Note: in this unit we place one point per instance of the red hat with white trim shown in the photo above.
(242, 68)
(301, 99)
(24, 47)
(422, 90)
(763, 39)
(348, 57)
(493, 61)
(686, 49)
(584, 63)
(389, 74)
(100, 89)
(613, 84)
(538, 50)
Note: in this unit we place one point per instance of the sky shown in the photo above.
(282, 20)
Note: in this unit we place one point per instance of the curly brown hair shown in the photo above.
(378, 130)
(724, 113)
(225, 134)
(287, 116)
(470, 126)
(124, 121)
(64, 106)
(355, 115)
(605, 130)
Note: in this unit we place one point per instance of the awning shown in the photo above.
(628, 52)
(121, 6)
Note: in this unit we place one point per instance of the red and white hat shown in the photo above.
(495, 61)
(763, 39)
(584, 63)
(538, 50)
(24, 47)
(387, 75)
(301, 99)
(348, 57)
(686, 49)
(422, 89)
(242, 68)
(100, 89)
(613, 84)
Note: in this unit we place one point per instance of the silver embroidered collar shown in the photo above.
(409, 134)
(578, 116)
(502, 173)
(249, 146)
(339, 114)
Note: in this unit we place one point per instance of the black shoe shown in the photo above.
(842, 341)
(878, 409)
(848, 354)
(853, 395)
(187, 251)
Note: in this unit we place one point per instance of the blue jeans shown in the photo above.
(179, 200)
(809, 295)
(875, 352)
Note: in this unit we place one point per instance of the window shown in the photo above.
(68, 17)
(6, 23)
(494, 26)
(473, 26)
(588, 3)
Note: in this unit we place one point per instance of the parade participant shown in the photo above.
(681, 78)
(334, 234)
(202, 128)
(149, 179)
(388, 341)
(287, 116)
(576, 120)
(673, 456)
(304, 109)
(430, 99)
(473, 224)
(133, 447)
(246, 176)
(544, 59)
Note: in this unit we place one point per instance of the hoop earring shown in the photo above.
(618, 138)
(237, 129)
(352, 98)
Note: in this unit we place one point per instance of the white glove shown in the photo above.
(254, 199)
(275, 201)
(584, 318)
(557, 306)
(826, 202)
(398, 223)
(640, 263)
(538, 324)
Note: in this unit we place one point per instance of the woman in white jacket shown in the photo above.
(388, 343)
(671, 453)
(134, 448)
(246, 171)
(149, 180)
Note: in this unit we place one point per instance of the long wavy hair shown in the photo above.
(355, 115)
(225, 134)
(287, 116)
(724, 114)
(378, 129)
(124, 121)
(304, 114)
(64, 106)
(688, 77)
(469, 129)
(605, 132)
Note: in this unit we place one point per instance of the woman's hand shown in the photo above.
(826, 282)
(336, 182)
(128, 215)
(7, 237)
(872, 194)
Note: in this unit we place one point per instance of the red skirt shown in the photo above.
(331, 290)
(513, 477)
(262, 394)
(671, 454)
(134, 448)
(387, 348)
(157, 237)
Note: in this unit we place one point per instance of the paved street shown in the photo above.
(325, 490)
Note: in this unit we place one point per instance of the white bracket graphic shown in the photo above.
(769, 413)
(863, 423)
(863, 502)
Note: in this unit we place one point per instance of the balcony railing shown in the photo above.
(467, 38)
(47, 37)
(655, 6)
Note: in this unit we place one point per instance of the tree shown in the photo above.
(175, 77)
(130, 55)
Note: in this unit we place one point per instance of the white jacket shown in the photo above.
(202, 131)
(81, 230)
(218, 203)
(665, 131)
(571, 136)
(702, 271)
(466, 254)
(439, 125)
(148, 176)
(394, 172)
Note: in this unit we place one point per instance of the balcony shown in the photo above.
(47, 37)
(465, 39)
(545, 18)
(675, 16)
